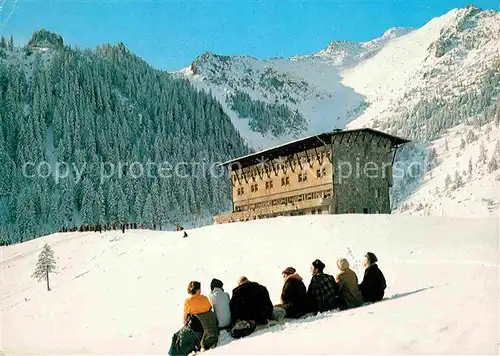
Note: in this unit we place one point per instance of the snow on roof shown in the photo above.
(303, 144)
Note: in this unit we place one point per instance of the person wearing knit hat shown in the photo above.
(293, 296)
(220, 303)
(373, 285)
(288, 271)
(322, 293)
(320, 266)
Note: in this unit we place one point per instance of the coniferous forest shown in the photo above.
(99, 136)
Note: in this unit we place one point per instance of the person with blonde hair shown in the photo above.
(350, 295)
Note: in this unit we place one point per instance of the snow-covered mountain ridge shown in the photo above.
(420, 83)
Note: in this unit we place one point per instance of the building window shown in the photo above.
(254, 187)
(270, 184)
(304, 177)
(324, 172)
(300, 177)
(253, 178)
(318, 173)
(267, 185)
(287, 181)
(282, 181)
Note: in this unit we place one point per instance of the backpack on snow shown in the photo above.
(243, 328)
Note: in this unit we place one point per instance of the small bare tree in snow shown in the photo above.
(447, 181)
(432, 159)
(459, 182)
(462, 143)
(446, 148)
(470, 167)
(471, 137)
(482, 153)
(496, 150)
(487, 131)
(46, 264)
(492, 164)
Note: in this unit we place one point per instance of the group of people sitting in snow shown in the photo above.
(250, 304)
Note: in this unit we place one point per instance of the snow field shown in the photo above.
(123, 293)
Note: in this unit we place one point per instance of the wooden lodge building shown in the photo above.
(344, 171)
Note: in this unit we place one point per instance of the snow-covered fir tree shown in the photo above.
(46, 264)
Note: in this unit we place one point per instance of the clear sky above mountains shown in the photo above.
(169, 34)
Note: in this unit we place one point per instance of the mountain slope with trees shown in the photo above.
(94, 110)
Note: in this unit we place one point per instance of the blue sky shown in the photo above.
(169, 34)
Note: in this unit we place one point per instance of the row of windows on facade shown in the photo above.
(287, 164)
(326, 194)
(302, 177)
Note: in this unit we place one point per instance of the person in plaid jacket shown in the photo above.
(323, 291)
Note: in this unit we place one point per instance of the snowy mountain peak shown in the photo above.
(471, 29)
(207, 59)
(396, 32)
(45, 39)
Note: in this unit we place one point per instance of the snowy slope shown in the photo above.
(479, 192)
(123, 294)
(445, 57)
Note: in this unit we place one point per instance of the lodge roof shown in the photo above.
(304, 144)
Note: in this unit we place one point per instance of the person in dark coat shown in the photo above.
(373, 285)
(250, 301)
(323, 291)
(294, 294)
